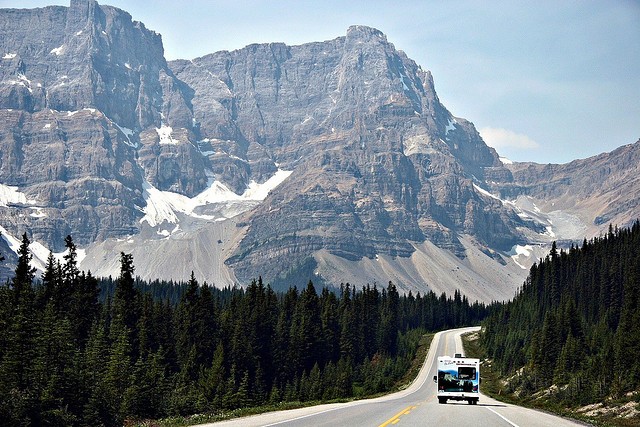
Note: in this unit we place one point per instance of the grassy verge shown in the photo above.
(494, 386)
(491, 384)
(416, 364)
(178, 421)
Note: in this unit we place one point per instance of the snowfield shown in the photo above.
(162, 206)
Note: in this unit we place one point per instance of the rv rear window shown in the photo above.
(466, 373)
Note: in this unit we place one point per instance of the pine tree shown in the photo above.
(206, 325)
(16, 365)
(97, 410)
(305, 342)
(330, 325)
(627, 336)
(316, 386)
(24, 273)
(118, 375)
(212, 379)
(285, 370)
(186, 319)
(70, 275)
(146, 395)
(51, 281)
(390, 320)
(57, 367)
(126, 308)
(84, 307)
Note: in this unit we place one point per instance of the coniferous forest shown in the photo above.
(574, 327)
(77, 350)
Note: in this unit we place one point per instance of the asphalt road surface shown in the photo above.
(415, 406)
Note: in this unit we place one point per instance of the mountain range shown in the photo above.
(332, 161)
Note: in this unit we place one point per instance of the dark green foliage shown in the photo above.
(575, 323)
(126, 299)
(76, 350)
(19, 403)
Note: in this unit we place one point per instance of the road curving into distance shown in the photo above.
(415, 406)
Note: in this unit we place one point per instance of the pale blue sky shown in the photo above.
(544, 81)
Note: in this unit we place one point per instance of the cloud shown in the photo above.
(499, 138)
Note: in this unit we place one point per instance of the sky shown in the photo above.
(548, 81)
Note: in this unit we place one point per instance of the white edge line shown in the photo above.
(303, 416)
(502, 416)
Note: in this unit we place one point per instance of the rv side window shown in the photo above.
(466, 373)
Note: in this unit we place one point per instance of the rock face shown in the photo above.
(102, 139)
(76, 171)
(80, 99)
(378, 161)
(602, 190)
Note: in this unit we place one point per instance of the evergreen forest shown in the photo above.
(76, 350)
(573, 329)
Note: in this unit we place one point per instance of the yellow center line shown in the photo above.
(396, 418)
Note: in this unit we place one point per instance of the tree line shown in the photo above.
(575, 323)
(77, 350)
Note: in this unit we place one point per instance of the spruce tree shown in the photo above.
(51, 278)
(84, 307)
(390, 320)
(97, 410)
(118, 375)
(126, 305)
(330, 325)
(305, 339)
(16, 365)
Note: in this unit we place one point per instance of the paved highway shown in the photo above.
(415, 406)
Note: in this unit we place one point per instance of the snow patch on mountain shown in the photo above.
(486, 193)
(451, 125)
(39, 252)
(164, 132)
(128, 133)
(404, 84)
(163, 206)
(519, 251)
(37, 213)
(506, 161)
(11, 195)
(22, 81)
(58, 50)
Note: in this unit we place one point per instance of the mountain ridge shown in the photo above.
(381, 177)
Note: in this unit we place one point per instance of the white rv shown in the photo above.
(458, 379)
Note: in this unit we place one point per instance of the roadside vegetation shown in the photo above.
(404, 382)
(568, 342)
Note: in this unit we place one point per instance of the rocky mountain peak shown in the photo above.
(363, 33)
(329, 161)
(356, 122)
(78, 86)
(362, 128)
(81, 15)
(83, 56)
